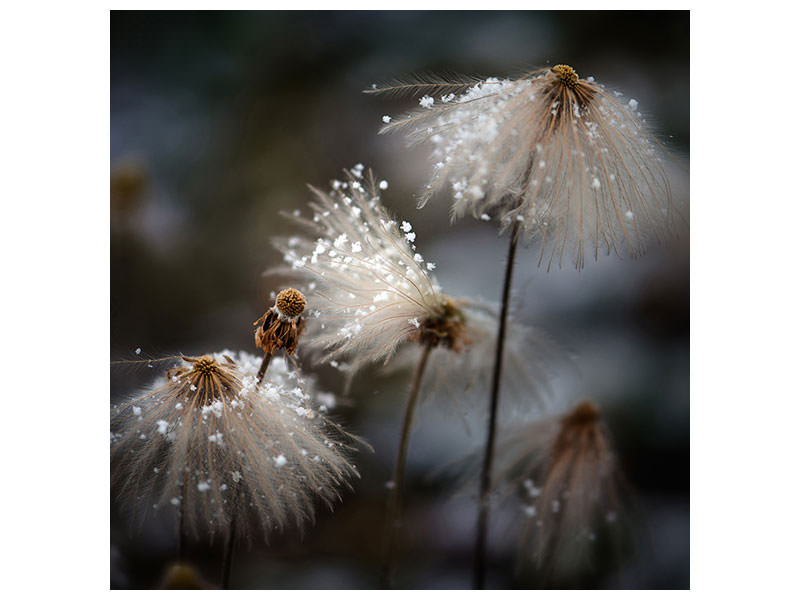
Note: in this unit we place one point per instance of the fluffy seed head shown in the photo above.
(566, 473)
(370, 287)
(565, 159)
(290, 302)
(214, 445)
(464, 376)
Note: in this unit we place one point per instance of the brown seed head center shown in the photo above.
(447, 329)
(567, 75)
(207, 366)
(290, 302)
(586, 413)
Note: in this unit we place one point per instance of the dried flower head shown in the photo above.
(212, 444)
(370, 289)
(281, 326)
(567, 474)
(560, 155)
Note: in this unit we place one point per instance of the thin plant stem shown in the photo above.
(228, 559)
(182, 524)
(395, 504)
(263, 368)
(479, 565)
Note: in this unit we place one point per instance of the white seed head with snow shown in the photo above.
(214, 444)
(529, 364)
(368, 287)
(559, 155)
(564, 471)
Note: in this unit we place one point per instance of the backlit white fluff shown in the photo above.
(530, 359)
(209, 442)
(574, 164)
(368, 288)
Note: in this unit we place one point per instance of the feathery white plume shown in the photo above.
(368, 288)
(569, 161)
(214, 445)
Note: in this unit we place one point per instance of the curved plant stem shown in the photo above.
(479, 565)
(263, 368)
(182, 524)
(395, 503)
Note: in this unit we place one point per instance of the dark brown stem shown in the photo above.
(479, 565)
(263, 368)
(395, 504)
(182, 524)
(228, 559)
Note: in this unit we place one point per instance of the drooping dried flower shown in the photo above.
(569, 479)
(560, 155)
(281, 325)
(369, 288)
(215, 446)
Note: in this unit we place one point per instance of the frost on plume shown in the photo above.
(209, 442)
(570, 162)
(369, 286)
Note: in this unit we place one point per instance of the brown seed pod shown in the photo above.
(281, 326)
(290, 302)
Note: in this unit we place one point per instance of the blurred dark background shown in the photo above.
(218, 122)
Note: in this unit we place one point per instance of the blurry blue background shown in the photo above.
(218, 122)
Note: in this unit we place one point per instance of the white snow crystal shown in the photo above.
(633, 103)
(386, 118)
(280, 460)
(532, 490)
(426, 102)
(203, 486)
(383, 184)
